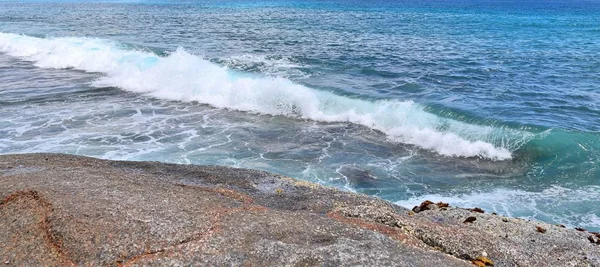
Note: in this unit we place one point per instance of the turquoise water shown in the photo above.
(493, 104)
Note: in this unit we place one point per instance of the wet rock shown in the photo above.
(358, 177)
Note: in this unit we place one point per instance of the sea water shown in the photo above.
(494, 104)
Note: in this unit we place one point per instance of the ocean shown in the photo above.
(490, 104)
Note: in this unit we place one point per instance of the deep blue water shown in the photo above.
(481, 103)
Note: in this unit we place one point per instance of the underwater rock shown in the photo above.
(358, 177)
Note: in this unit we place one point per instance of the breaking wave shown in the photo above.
(186, 77)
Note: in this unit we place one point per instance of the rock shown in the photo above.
(442, 205)
(483, 261)
(358, 177)
(470, 219)
(507, 243)
(540, 229)
(428, 205)
(68, 210)
(594, 238)
(425, 205)
(478, 210)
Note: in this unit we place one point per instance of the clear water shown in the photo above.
(493, 104)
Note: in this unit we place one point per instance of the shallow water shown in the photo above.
(490, 104)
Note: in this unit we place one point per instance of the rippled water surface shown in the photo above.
(479, 103)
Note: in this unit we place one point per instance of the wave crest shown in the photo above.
(187, 77)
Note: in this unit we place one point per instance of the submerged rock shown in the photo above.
(358, 177)
(68, 210)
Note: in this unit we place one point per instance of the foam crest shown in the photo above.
(270, 65)
(186, 77)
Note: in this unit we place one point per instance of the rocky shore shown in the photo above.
(60, 210)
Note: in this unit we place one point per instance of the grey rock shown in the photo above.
(68, 210)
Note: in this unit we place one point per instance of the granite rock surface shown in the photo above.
(61, 210)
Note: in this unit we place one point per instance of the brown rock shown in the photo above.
(478, 210)
(470, 219)
(423, 207)
(483, 261)
(442, 205)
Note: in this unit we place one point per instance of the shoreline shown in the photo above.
(72, 210)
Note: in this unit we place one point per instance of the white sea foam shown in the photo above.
(186, 77)
(569, 206)
(278, 66)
